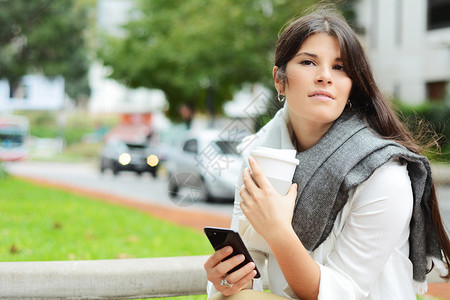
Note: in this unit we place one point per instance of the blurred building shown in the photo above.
(32, 92)
(408, 43)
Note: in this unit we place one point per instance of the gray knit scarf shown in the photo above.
(346, 156)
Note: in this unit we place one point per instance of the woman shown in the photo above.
(361, 219)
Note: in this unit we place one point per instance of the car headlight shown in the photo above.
(124, 158)
(152, 160)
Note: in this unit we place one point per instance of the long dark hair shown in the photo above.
(366, 98)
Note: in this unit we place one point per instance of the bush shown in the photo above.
(428, 120)
(3, 172)
(44, 124)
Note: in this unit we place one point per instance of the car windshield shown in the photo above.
(136, 146)
(228, 147)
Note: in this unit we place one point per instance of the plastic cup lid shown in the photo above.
(287, 155)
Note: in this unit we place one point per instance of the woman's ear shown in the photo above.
(278, 83)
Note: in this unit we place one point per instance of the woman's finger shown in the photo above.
(243, 192)
(258, 175)
(217, 257)
(249, 183)
(225, 266)
(244, 280)
(237, 275)
(246, 274)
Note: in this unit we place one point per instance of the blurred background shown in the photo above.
(129, 85)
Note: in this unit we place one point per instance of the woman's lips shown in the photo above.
(321, 95)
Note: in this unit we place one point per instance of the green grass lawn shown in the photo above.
(41, 224)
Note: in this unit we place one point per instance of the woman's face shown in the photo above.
(317, 87)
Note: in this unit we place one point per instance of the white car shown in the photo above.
(205, 168)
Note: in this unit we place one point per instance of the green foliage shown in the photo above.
(76, 152)
(426, 297)
(198, 52)
(429, 122)
(42, 224)
(44, 124)
(3, 172)
(45, 36)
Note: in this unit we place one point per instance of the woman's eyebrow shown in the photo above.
(307, 54)
(315, 55)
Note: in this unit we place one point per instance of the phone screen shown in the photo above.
(221, 237)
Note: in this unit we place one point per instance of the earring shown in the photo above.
(349, 104)
(281, 97)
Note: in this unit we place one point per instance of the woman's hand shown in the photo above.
(216, 272)
(264, 207)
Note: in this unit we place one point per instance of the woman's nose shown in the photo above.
(324, 76)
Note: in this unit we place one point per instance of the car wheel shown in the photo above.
(185, 189)
(173, 188)
(115, 170)
(207, 197)
(102, 168)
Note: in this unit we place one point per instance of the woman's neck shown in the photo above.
(307, 133)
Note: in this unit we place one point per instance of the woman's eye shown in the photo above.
(339, 67)
(307, 63)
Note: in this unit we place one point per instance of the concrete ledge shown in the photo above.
(441, 173)
(116, 279)
(103, 279)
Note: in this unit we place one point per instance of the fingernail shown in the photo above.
(241, 257)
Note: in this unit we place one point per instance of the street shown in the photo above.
(129, 185)
(142, 188)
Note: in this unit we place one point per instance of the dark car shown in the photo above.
(123, 156)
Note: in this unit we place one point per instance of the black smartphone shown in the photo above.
(221, 237)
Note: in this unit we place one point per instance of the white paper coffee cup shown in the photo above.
(278, 165)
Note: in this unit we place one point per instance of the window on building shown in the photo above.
(18, 91)
(436, 90)
(438, 14)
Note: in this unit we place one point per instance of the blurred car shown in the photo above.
(206, 166)
(120, 156)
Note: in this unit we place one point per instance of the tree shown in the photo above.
(45, 37)
(198, 52)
